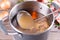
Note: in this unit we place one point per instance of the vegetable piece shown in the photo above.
(5, 4)
(3, 14)
(48, 5)
(34, 14)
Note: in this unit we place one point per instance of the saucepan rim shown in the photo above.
(27, 33)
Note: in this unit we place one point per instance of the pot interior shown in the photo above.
(29, 6)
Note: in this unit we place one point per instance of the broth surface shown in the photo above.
(40, 25)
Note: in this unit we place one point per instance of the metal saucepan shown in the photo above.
(32, 6)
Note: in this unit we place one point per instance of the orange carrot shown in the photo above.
(34, 14)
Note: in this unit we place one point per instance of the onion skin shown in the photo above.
(4, 5)
(3, 14)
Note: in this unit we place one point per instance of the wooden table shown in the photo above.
(51, 36)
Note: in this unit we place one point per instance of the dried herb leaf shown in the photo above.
(50, 1)
(48, 5)
(20, 1)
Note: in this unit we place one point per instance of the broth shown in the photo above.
(40, 25)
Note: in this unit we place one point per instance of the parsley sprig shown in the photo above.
(49, 3)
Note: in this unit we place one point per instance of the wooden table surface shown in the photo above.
(51, 36)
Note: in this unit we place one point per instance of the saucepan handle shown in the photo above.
(56, 12)
(16, 36)
(4, 30)
(57, 7)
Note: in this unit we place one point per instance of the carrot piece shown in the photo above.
(34, 14)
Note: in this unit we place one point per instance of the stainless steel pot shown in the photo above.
(32, 6)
